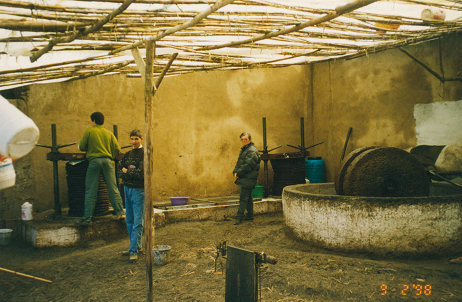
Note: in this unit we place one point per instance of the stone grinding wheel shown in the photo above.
(344, 165)
(386, 172)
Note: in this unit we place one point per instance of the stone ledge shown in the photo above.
(391, 226)
(44, 232)
(66, 232)
(219, 212)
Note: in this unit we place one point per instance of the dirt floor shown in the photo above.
(96, 271)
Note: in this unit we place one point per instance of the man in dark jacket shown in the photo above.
(133, 178)
(245, 175)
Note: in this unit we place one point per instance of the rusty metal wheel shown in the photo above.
(386, 172)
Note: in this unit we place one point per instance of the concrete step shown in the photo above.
(47, 231)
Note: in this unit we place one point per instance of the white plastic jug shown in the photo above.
(18, 133)
(433, 14)
(7, 174)
(26, 211)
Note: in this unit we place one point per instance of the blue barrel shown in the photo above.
(314, 170)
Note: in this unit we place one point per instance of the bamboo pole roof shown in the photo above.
(62, 40)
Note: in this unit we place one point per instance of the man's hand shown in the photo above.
(124, 170)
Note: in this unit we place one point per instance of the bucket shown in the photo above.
(160, 254)
(257, 192)
(18, 133)
(178, 201)
(5, 236)
(7, 174)
(314, 169)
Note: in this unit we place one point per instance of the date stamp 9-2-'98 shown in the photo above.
(415, 289)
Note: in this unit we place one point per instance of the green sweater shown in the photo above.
(99, 142)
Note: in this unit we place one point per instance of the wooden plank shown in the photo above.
(139, 62)
(162, 74)
(25, 275)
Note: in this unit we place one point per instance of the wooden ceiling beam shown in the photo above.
(329, 16)
(82, 33)
(219, 4)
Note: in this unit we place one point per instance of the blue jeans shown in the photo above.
(134, 208)
(96, 167)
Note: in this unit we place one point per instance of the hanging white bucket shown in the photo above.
(18, 133)
(7, 174)
(433, 14)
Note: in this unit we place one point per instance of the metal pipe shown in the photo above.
(116, 132)
(346, 143)
(265, 147)
(302, 134)
(55, 171)
(115, 129)
(265, 160)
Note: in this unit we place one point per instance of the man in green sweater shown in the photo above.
(101, 148)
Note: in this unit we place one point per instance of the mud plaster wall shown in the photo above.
(376, 96)
(68, 105)
(197, 119)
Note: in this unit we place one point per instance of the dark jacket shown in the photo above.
(247, 166)
(133, 161)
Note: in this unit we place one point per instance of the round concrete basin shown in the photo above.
(396, 226)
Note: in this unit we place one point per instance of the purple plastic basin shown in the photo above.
(176, 201)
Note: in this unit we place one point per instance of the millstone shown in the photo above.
(385, 172)
(427, 154)
(343, 167)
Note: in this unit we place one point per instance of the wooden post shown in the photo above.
(148, 150)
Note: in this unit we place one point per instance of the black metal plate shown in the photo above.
(241, 277)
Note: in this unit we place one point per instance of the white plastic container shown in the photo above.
(7, 174)
(18, 133)
(26, 211)
(433, 14)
